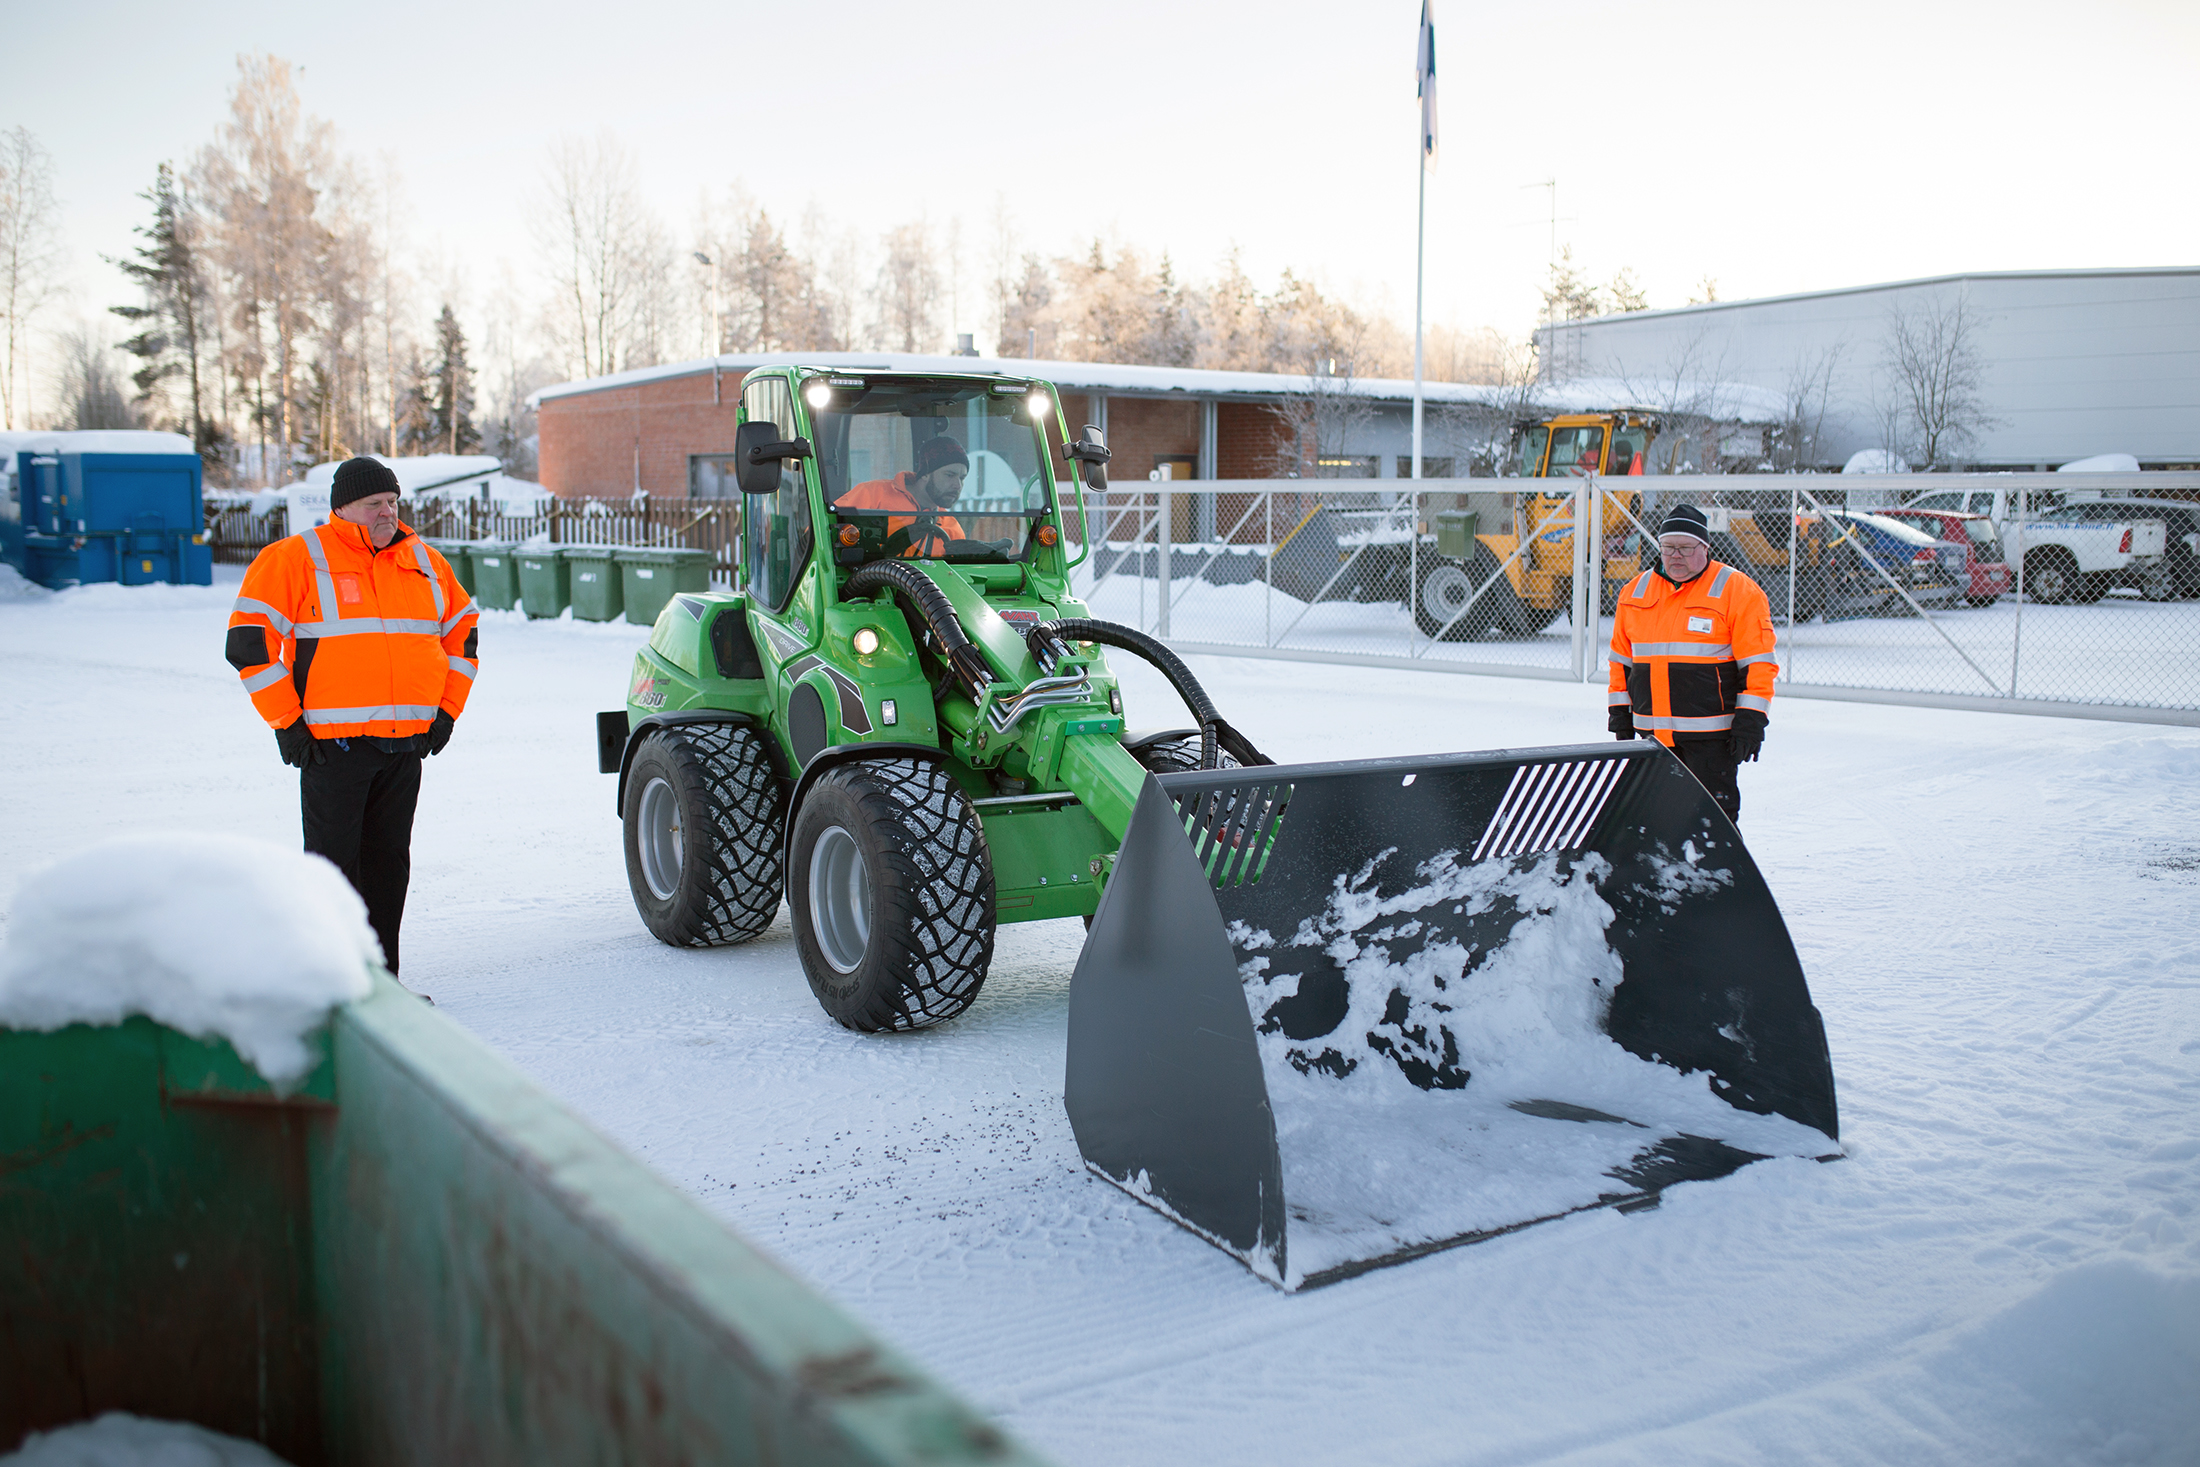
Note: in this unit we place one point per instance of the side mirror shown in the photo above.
(757, 453)
(1091, 450)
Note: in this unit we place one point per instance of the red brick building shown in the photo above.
(669, 430)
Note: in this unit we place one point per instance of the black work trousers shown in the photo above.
(1712, 762)
(358, 811)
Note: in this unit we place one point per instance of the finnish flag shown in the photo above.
(1424, 76)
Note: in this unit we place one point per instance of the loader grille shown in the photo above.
(1550, 807)
(1233, 830)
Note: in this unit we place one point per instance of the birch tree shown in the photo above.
(30, 256)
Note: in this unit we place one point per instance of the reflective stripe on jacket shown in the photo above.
(362, 642)
(1685, 657)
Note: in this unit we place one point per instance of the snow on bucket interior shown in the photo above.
(1332, 1017)
(214, 935)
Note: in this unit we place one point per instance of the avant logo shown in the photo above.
(645, 693)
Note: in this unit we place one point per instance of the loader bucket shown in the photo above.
(1335, 1016)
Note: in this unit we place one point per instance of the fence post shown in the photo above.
(1165, 532)
(1574, 612)
(2016, 638)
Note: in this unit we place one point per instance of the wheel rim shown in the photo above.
(840, 899)
(657, 838)
(1444, 594)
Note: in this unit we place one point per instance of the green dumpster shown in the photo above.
(416, 1256)
(653, 576)
(496, 573)
(595, 582)
(462, 564)
(545, 581)
(1455, 532)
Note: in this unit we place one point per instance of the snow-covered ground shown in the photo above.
(2000, 917)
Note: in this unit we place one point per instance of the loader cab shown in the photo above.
(1573, 444)
(950, 469)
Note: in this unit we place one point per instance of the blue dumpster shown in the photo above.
(109, 506)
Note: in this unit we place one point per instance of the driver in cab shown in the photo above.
(931, 488)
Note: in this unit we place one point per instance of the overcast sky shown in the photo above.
(1774, 147)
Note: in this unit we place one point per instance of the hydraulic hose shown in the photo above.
(925, 603)
(1049, 641)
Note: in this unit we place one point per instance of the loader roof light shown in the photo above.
(818, 393)
(1009, 389)
(1038, 402)
(855, 383)
(865, 641)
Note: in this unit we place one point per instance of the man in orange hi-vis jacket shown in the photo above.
(1693, 658)
(930, 489)
(358, 647)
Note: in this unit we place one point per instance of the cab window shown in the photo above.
(775, 528)
(1630, 449)
(1576, 451)
(1532, 444)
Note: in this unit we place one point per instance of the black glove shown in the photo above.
(439, 733)
(1747, 735)
(1622, 721)
(298, 745)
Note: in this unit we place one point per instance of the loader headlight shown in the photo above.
(865, 641)
(818, 393)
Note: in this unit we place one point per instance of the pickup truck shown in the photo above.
(2066, 557)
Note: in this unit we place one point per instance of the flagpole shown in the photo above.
(1420, 253)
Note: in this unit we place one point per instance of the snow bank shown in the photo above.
(215, 935)
(2103, 463)
(14, 586)
(1874, 461)
(1371, 1162)
(121, 1440)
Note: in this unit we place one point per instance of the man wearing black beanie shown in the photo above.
(1693, 658)
(359, 647)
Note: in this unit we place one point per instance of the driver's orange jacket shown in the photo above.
(362, 642)
(895, 493)
(1685, 657)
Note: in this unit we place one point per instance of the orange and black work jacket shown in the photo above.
(895, 493)
(363, 642)
(1685, 657)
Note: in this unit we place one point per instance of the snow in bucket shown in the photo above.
(118, 1439)
(1372, 1163)
(214, 935)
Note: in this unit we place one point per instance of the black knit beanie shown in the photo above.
(938, 453)
(1685, 519)
(356, 478)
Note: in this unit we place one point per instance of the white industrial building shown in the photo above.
(2072, 363)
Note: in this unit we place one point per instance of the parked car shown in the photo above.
(1989, 571)
(2066, 558)
(2180, 552)
(1852, 564)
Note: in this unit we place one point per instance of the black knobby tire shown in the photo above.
(1444, 589)
(1172, 756)
(895, 841)
(713, 877)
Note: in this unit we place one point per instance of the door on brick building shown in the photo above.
(1191, 515)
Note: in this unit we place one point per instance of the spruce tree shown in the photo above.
(174, 317)
(452, 405)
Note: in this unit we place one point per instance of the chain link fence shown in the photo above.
(2028, 592)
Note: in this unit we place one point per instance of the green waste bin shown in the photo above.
(1455, 532)
(462, 564)
(595, 582)
(545, 581)
(654, 576)
(496, 573)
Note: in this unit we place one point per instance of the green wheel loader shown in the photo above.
(1328, 1016)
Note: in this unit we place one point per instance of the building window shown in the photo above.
(1431, 468)
(1175, 466)
(711, 476)
(1347, 466)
